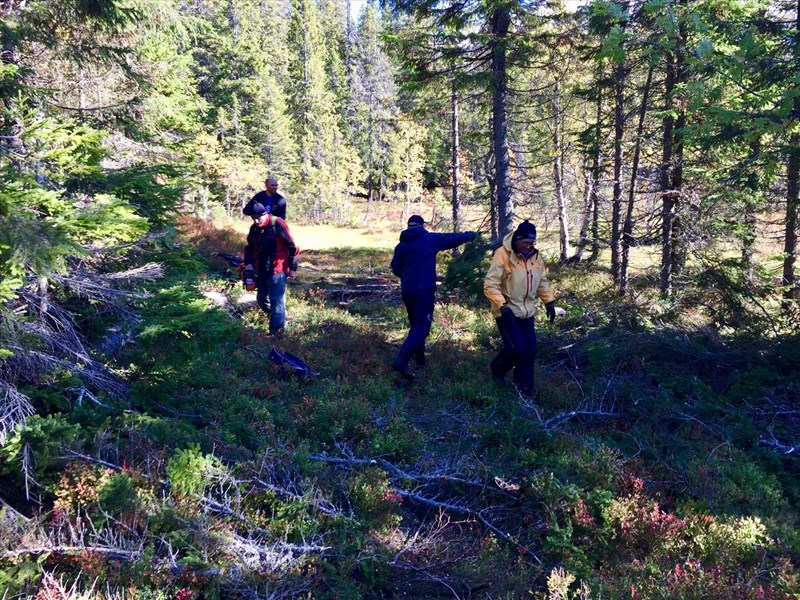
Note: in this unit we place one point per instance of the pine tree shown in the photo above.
(481, 35)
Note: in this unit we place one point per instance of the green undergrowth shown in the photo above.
(655, 462)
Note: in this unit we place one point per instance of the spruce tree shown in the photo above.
(373, 109)
(323, 159)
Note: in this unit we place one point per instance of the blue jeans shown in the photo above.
(271, 298)
(419, 305)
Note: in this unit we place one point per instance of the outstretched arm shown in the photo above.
(446, 241)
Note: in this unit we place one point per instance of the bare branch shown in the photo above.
(94, 286)
(778, 446)
(399, 477)
(15, 407)
(114, 553)
(479, 516)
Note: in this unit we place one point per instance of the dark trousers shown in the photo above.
(518, 351)
(419, 305)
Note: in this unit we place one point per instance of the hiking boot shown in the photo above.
(277, 334)
(403, 370)
(419, 358)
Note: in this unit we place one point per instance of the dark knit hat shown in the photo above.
(256, 209)
(415, 220)
(525, 230)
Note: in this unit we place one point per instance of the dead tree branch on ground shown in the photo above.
(489, 516)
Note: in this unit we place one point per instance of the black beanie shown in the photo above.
(254, 209)
(525, 230)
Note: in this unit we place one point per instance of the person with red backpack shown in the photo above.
(273, 254)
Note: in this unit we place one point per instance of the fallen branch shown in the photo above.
(404, 475)
(778, 446)
(212, 504)
(398, 476)
(326, 509)
(367, 289)
(112, 553)
(15, 407)
(474, 514)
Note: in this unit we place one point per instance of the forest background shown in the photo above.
(151, 448)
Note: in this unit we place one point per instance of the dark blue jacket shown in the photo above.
(414, 260)
(275, 205)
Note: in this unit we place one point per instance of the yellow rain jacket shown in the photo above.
(516, 282)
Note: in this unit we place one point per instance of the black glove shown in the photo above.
(550, 308)
(506, 311)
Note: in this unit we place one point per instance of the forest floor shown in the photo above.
(656, 461)
(652, 437)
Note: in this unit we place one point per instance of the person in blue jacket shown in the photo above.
(414, 262)
(269, 198)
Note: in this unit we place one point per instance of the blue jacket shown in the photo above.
(414, 260)
(275, 205)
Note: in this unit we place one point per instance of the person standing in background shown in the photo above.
(269, 198)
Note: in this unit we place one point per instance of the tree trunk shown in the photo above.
(627, 229)
(673, 250)
(750, 218)
(592, 177)
(318, 205)
(456, 200)
(616, 202)
(679, 251)
(558, 175)
(667, 194)
(501, 20)
(586, 214)
(597, 173)
(790, 243)
(790, 293)
(749, 240)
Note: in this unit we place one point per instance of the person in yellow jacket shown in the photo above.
(516, 278)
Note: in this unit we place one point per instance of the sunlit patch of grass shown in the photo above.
(208, 237)
(356, 264)
(320, 237)
(454, 322)
(326, 237)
